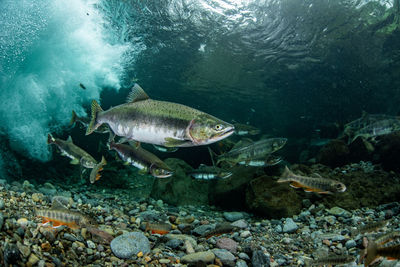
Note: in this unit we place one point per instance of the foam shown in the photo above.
(46, 49)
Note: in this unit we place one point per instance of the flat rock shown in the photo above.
(127, 245)
(227, 243)
(204, 256)
(233, 216)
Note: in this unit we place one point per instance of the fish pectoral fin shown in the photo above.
(74, 161)
(295, 185)
(172, 142)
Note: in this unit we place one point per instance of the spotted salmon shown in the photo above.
(159, 122)
(312, 184)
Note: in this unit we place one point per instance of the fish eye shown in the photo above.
(218, 127)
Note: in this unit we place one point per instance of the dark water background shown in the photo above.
(289, 68)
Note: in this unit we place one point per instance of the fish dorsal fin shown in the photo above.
(69, 139)
(57, 205)
(137, 94)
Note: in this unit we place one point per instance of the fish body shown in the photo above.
(159, 122)
(219, 230)
(371, 227)
(374, 251)
(158, 228)
(245, 129)
(72, 151)
(331, 260)
(209, 173)
(78, 156)
(312, 184)
(378, 128)
(59, 217)
(252, 151)
(142, 159)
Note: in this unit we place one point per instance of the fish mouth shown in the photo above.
(229, 131)
(166, 175)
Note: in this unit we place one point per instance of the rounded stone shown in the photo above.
(127, 245)
(290, 226)
(233, 216)
(228, 244)
(204, 256)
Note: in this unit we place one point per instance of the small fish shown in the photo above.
(249, 151)
(209, 173)
(95, 173)
(60, 217)
(165, 149)
(371, 227)
(142, 159)
(245, 129)
(310, 184)
(78, 155)
(330, 260)
(220, 229)
(158, 228)
(159, 122)
(374, 251)
(82, 86)
(388, 237)
(378, 128)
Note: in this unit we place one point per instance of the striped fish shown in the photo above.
(312, 184)
(330, 260)
(142, 159)
(159, 122)
(374, 251)
(60, 217)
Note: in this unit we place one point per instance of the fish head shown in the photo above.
(206, 129)
(337, 187)
(160, 172)
(278, 143)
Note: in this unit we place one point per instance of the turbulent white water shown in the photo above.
(47, 48)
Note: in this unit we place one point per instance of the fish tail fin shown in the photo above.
(93, 125)
(372, 253)
(285, 177)
(50, 139)
(73, 118)
(212, 155)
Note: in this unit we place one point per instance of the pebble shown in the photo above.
(23, 222)
(204, 256)
(25, 250)
(241, 263)
(233, 215)
(227, 243)
(202, 229)
(129, 244)
(164, 261)
(242, 224)
(90, 244)
(33, 259)
(350, 244)
(260, 259)
(225, 256)
(339, 212)
(289, 226)
(244, 256)
(245, 234)
(36, 197)
(174, 243)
